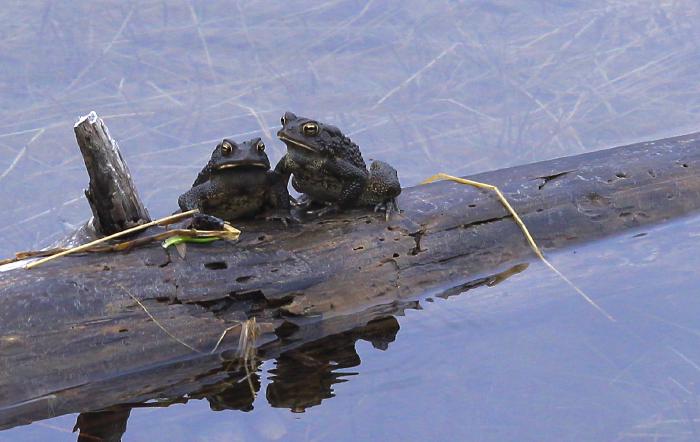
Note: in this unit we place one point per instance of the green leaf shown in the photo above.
(175, 240)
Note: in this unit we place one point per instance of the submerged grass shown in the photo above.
(246, 350)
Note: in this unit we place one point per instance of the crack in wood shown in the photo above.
(547, 178)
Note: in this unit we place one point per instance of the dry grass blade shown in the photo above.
(229, 233)
(246, 349)
(246, 341)
(167, 220)
(523, 228)
(223, 335)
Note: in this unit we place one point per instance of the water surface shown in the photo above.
(459, 87)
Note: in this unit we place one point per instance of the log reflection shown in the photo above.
(303, 376)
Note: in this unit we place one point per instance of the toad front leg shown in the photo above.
(193, 199)
(352, 178)
(279, 202)
(283, 170)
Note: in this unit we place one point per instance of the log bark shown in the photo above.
(113, 198)
(73, 327)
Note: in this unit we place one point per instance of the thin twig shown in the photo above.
(20, 155)
(166, 220)
(414, 75)
(523, 228)
(248, 377)
(156, 321)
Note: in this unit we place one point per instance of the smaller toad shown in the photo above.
(237, 183)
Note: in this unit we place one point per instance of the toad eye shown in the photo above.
(226, 148)
(310, 129)
(283, 121)
(261, 147)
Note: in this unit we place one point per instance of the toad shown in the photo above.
(328, 168)
(237, 183)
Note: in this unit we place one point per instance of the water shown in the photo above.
(458, 87)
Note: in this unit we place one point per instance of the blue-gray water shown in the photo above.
(449, 86)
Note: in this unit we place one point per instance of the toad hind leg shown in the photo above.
(382, 188)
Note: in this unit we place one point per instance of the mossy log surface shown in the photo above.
(72, 338)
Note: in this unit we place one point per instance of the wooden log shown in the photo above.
(73, 327)
(113, 198)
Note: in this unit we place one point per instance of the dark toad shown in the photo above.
(237, 183)
(328, 167)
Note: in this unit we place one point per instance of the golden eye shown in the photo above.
(261, 147)
(226, 148)
(310, 129)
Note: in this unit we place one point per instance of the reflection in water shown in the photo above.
(106, 425)
(236, 393)
(488, 281)
(303, 377)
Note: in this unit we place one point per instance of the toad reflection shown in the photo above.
(304, 377)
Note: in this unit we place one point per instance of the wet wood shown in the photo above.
(72, 326)
(113, 198)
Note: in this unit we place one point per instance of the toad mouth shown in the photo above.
(296, 143)
(232, 165)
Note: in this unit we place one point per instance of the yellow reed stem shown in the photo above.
(167, 220)
(523, 228)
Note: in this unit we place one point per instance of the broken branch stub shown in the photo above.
(113, 198)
